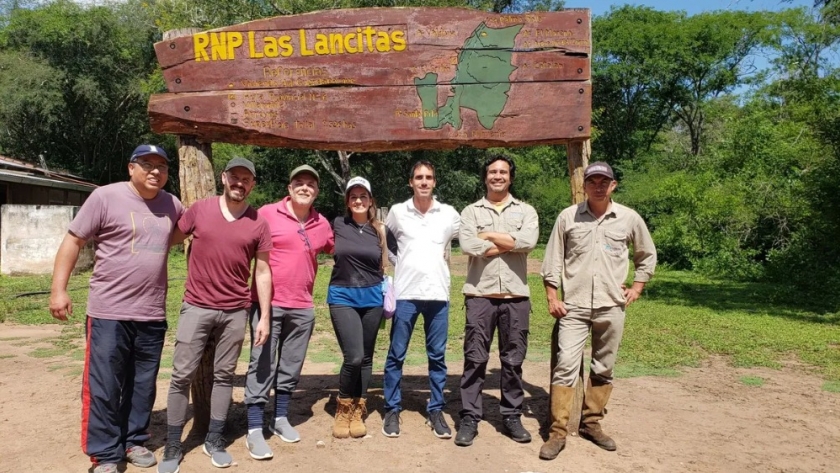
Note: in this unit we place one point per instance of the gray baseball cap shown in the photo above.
(241, 162)
(598, 168)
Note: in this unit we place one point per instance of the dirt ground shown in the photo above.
(703, 421)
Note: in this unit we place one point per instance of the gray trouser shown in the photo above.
(280, 360)
(607, 324)
(195, 326)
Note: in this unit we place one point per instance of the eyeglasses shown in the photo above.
(302, 234)
(148, 167)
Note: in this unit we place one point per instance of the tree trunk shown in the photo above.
(198, 180)
(578, 158)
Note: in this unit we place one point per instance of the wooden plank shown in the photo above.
(382, 118)
(529, 66)
(374, 46)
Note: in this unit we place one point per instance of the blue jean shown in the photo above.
(436, 326)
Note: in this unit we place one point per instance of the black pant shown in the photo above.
(356, 330)
(512, 317)
(122, 359)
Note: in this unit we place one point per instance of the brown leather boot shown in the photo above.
(357, 418)
(561, 404)
(343, 411)
(595, 400)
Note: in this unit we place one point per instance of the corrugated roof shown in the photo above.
(13, 170)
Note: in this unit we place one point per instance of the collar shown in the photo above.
(584, 208)
(435, 205)
(490, 205)
(283, 209)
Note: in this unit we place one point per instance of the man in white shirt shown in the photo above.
(423, 228)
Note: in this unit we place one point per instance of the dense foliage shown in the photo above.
(731, 157)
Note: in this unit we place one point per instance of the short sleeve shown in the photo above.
(88, 222)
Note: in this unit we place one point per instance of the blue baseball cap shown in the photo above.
(144, 150)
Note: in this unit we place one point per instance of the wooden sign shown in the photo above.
(381, 79)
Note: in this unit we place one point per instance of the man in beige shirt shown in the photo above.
(587, 258)
(497, 233)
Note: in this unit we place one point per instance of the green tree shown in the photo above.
(94, 61)
(635, 79)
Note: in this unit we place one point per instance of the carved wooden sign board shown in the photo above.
(379, 79)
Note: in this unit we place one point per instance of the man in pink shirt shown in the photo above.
(228, 236)
(298, 234)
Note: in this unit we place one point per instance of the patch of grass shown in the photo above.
(682, 319)
(633, 370)
(26, 299)
(756, 381)
(50, 352)
(831, 386)
(11, 339)
(6, 357)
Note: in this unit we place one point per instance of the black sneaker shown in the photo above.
(467, 432)
(391, 424)
(172, 456)
(514, 429)
(438, 425)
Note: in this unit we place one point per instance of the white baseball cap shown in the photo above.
(358, 181)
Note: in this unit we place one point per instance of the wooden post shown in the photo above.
(198, 181)
(577, 154)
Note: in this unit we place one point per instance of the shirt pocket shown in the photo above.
(579, 241)
(615, 244)
(484, 223)
(514, 222)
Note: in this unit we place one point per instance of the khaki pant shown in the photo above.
(607, 326)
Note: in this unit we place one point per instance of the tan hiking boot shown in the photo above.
(561, 404)
(595, 401)
(343, 412)
(357, 418)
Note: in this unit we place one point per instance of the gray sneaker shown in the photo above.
(391, 424)
(172, 456)
(283, 429)
(140, 457)
(257, 447)
(214, 447)
(105, 468)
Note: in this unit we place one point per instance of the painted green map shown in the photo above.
(481, 83)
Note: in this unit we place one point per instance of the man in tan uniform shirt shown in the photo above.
(497, 233)
(587, 258)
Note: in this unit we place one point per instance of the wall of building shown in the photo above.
(30, 236)
(42, 195)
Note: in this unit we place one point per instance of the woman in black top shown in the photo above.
(355, 299)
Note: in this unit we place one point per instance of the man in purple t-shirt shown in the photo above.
(228, 235)
(130, 224)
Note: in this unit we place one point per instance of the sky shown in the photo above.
(759, 61)
(599, 7)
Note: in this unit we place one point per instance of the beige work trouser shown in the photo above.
(607, 326)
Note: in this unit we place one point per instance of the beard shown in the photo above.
(236, 197)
